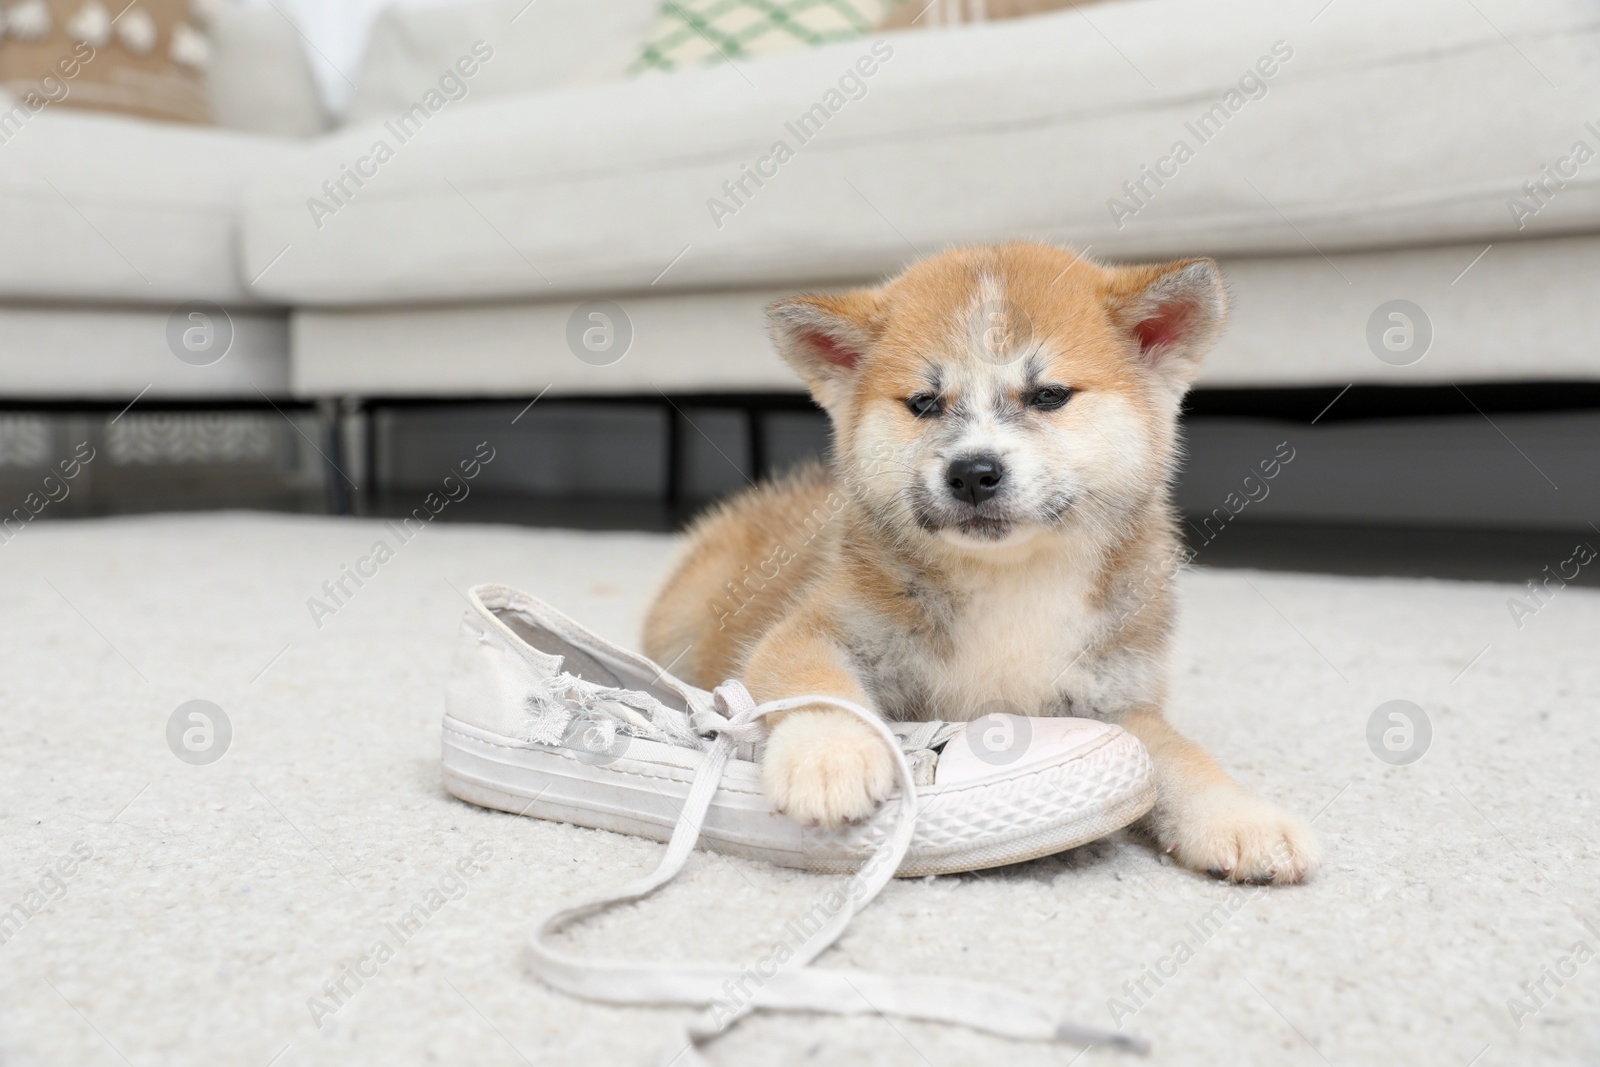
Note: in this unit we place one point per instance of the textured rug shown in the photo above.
(159, 909)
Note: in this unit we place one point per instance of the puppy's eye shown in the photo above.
(925, 405)
(1049, 397)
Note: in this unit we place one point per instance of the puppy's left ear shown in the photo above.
(1173, 312)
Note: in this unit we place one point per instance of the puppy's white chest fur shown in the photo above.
(1019, 635)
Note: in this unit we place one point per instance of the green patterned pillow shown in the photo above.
(694, 32)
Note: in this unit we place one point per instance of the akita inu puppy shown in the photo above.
(993, 532)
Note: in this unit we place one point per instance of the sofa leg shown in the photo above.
(369, 467)
(755, 425)
(355, 423)
(336, 483)
(674, 459)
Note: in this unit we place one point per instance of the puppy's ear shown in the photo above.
(826, 338)
(1174, 313)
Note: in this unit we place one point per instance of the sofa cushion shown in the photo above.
(57, 353)
(261, 81)
(532, 47)
(105, 208)
(1515, 313)
(1302, 137)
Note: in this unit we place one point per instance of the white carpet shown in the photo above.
(220, 898)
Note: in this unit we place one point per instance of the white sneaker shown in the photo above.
(546, 719)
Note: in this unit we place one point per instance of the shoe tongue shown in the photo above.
(999, 744)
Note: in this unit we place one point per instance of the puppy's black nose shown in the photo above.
(974, 478)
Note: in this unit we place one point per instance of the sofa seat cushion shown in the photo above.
(1303, 136)
(118, 353)
(1514, 314)
(112, 209)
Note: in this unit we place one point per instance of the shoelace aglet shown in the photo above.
(1087, 1035)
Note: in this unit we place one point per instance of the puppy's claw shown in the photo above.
(1234, 836)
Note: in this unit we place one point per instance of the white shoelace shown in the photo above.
(729, 992)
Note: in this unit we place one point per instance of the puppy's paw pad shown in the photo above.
(826, 768)
(1234, 836)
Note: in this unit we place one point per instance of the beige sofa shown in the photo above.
(1338, 159)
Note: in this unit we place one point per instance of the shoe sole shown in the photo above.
(967, 832)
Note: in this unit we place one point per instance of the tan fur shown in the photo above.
(874, 581)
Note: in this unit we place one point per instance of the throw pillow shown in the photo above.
(535, 47)
(928, 13)
(693, 32)
(146, 59)
(261, 81)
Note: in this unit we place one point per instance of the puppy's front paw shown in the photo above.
(826, 768)
(1231, 834)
